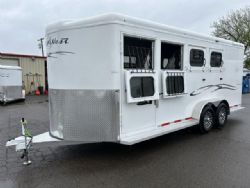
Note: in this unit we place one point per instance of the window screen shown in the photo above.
(196, 58)
(216, 59)
(138, 53)
(171, 56)
(142, 86)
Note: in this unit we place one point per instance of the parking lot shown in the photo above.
(181, 159)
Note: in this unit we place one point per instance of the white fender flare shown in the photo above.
(198, 107)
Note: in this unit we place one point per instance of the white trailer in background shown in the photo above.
(115, 78)
(11, 84)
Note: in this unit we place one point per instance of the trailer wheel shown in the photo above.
(221, 116)
(207, 119)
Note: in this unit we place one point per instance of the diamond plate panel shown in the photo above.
(84, 115)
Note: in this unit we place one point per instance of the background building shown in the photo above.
(33, 68)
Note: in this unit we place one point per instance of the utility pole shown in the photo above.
(41, 45)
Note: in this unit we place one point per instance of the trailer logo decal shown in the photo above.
(212, 88)
(53, 54)
(52, 41)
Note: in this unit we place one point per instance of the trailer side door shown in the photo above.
(139, 86)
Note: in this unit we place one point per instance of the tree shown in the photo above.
(236, 27)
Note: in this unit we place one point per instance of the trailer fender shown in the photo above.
(201, 104)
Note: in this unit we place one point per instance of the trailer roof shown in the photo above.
(10, 67)
(112, 18)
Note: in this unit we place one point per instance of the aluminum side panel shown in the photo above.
(84, 115)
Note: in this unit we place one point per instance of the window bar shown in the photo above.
(147, 62)
(173, 80)
(131, 56)
(179, 83)
(129, 59)
(142, 88)
(139, 58)
(183, 82)
(134, 55)
(145, 57)
(170, 84)
(152, 55)
(175, 84)
(150, 59)
(167, 81)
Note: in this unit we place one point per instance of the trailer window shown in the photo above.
(138, 53)
(196, 58)
(171, 56)
(142, 86)
(174, 83)
(216, 59)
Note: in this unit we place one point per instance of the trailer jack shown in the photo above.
(23, 143)
(27, 142)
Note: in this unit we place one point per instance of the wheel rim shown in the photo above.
(222, 116)
(208, 120)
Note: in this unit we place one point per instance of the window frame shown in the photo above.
(142, 86)
(149, 38)
(130, 74)
(204, 55)
(164, 85)
(221, 63)
(182, 54)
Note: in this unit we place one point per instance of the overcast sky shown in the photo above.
(22, 22)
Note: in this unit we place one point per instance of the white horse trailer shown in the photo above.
(114, 78)
(10, 83)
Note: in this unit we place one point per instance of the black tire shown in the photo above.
(22, 100)
(207, 120)
(221, 116)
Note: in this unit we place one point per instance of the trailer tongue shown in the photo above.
(24, 142)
